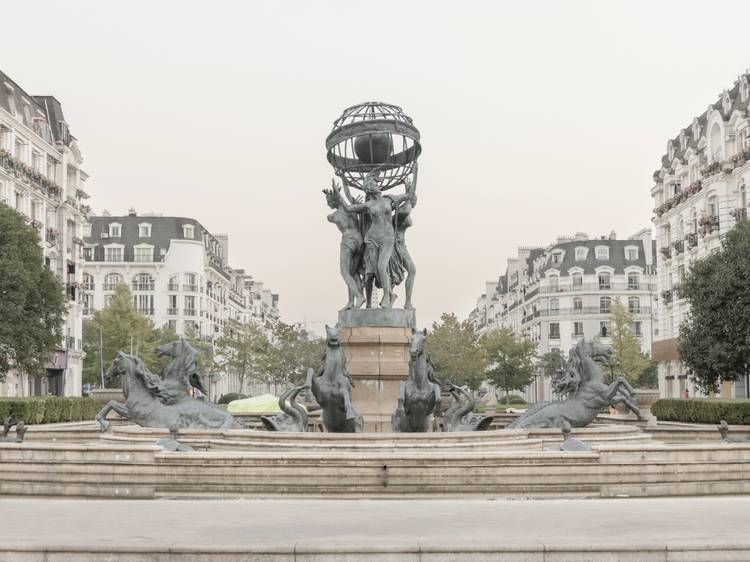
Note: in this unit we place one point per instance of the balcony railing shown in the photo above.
(190, 288)
(739, 214)
(146, 311)
(173, 287)
(110, 286)
(578, 312)
(598, 287)
(189, 312)
(173, 311)
(143, 286)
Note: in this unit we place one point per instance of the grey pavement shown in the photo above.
(359, 526)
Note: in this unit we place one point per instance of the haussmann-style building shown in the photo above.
(699, 194)
(557, 295)
(42, 179)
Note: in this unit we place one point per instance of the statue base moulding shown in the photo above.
(377, 347)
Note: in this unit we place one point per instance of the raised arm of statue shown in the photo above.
(348, 207)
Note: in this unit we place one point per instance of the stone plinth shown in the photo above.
(376, 343)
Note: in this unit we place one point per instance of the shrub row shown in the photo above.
(48, 409)
(702, 410)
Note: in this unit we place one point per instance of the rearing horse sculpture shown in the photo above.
(148, 401)
(420, 393)
(293, 417)
(587, 393)
(332, 388)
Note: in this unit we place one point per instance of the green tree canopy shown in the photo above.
(552, 362)
(292, 351)
(714, 342)
(243, 349)
(627, 358)
(510, 359)
(454, 349)
(123, 329)
(32, 299)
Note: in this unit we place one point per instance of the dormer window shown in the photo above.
(144, 230)
(602, 253)
(726, 102)
(556, 257)
(581, 254)
(631, 253)
(188, 231)
(115, 230)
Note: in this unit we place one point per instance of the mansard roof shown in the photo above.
(616, 259)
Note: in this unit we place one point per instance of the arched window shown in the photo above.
(191, 283)
(577, 305)
(713, 207)
(577, 280)
(605, 281)
(634, 281)
(634, 305)
(554, 283)
(88, 282)
(174, 283)
(605, 305)
(143, 282)
(112, 280)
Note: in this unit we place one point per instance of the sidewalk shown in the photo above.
(663, 529)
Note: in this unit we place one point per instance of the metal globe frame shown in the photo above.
(373, 120)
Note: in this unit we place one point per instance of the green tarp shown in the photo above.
(261, 404)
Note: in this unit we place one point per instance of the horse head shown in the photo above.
(583, 356)
(333, 338)
(567, 382)
(418, 343)
(120, 365)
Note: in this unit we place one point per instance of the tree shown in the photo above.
(510, 359)
(552, 362)
(243, 349)
(123, 328)
(455, 351)
(713, 341)
(293, 350)
(32, 299)
(627, 358)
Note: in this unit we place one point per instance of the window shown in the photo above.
(143, 282)
(577, 280)
(577, 304)
(634, 305)
(602, 253)
(172, 305)
(554, 330)
(188, 231)
(191, 282)
(144, 230)
(581, 254)
(713, 208)
(87, 230)
(554, 306)
(605, 305)
(113, 253)
(578, 328)
(634, 281)
(112, 280)
(556, 257)
(554, 283)
(631, 253)
(144, 304)
(108, 300)
(636, 329)
(174, 283)
(88, 282)
(144, 253)
(190, 306)
(605, 281)
(115, 230)
(604, 330)
(88, 254)
(681, 273)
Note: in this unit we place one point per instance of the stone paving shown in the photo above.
(664, 529)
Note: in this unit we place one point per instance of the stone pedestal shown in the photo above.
(376, 343)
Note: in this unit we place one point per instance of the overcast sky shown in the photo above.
(537, 119)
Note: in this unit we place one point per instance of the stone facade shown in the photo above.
(699, 194)
(41, 178)
(557, 295)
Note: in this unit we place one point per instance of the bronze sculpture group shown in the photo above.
(373, 248)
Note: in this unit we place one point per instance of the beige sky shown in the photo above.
(537, 118)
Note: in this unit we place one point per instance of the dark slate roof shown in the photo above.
(616, 256)
(534, 253)
(47, 105)
(163, 231)
(734, 94)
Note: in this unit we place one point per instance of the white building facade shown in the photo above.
(558, 295)
(699, 194)
(42, 179)
(178, 274)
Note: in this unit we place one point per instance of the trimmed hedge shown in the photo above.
(702, 410)
(48, 409)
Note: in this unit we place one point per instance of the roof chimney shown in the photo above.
(131, 212)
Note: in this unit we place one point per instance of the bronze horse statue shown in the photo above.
(332, 388)
(150, 402)
(420, 393)
(583, 383)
